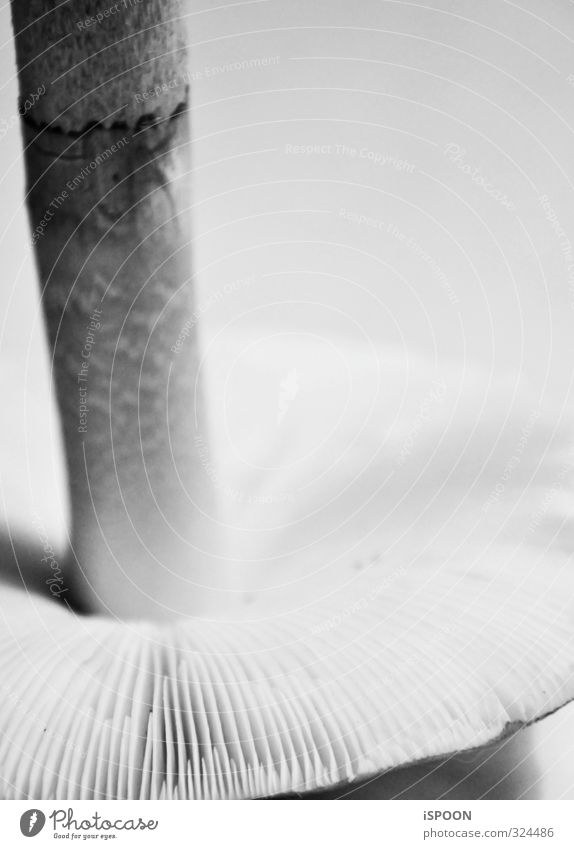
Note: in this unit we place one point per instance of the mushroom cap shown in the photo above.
(437, 620)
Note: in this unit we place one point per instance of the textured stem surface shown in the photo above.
(107, 161)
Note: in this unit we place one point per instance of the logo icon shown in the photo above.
(32, 822)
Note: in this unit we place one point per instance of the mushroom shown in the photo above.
(380, 643)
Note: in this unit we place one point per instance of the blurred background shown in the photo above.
(379, 170)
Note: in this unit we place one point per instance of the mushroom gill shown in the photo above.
(425, 651)
(93, 708)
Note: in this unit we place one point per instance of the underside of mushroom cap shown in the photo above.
(437, 662)
(364, 661)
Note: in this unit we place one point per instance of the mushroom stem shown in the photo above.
(107, 165)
